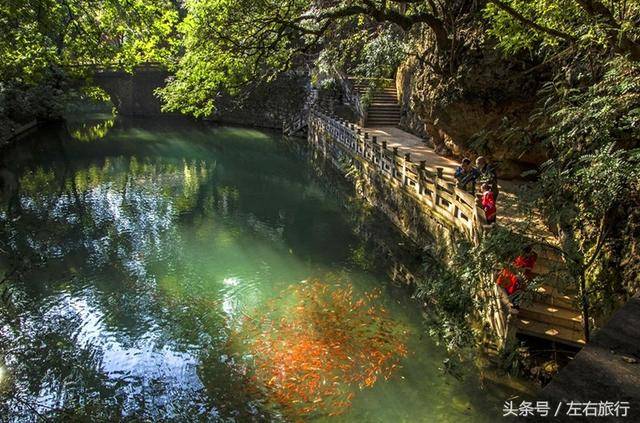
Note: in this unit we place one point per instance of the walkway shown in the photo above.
(510, 212)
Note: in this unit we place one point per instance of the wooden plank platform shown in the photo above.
(550, 331)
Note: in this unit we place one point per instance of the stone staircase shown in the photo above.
(384, 109)
(553, 314)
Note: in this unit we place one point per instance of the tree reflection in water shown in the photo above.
(111, 344)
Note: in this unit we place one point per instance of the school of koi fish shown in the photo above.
(313, 357)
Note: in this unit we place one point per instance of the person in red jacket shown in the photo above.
(526, 261)
(488, 203)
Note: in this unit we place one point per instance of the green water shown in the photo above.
(139, 251)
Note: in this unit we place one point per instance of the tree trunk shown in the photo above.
(584, 299)
(577, 269)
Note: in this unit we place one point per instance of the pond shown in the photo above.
(156, 264)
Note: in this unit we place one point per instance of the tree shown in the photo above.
(577, 23)
(587, 118)
(45, 43)
(230, 45)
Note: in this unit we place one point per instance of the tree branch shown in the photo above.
(529, 23)
(620, 42)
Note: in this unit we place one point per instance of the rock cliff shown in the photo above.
(466, 111)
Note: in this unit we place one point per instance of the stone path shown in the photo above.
(510, 213)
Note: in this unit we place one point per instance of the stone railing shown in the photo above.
(18, 132)
(447, 203)
(295, 124)
(351, 96)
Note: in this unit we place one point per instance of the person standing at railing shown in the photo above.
(466, 176)
(487, 175)
(488, 203)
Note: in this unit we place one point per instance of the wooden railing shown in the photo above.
(446, 202)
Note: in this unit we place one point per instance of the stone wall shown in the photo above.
(133, 93)
(266, 105)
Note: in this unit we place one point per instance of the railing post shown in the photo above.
(419, 178)
(365, 144)
(434, 195)
(394, 171)
(374, 141)
(407, 158)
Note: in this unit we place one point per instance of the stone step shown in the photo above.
(393, 112)
(555, 315)
(383, 117)
(387, 106)
(365, 85)
(395, 118)
(546, 251)
(389, 122)
(550, 295)
(545, 265)
(385, 93)
(366, 88)
(551, 332)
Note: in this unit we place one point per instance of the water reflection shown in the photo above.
(137, 254)
(87, 130)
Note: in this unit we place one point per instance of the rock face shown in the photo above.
(466, 112)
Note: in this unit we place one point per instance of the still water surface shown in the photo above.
(158, 239)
